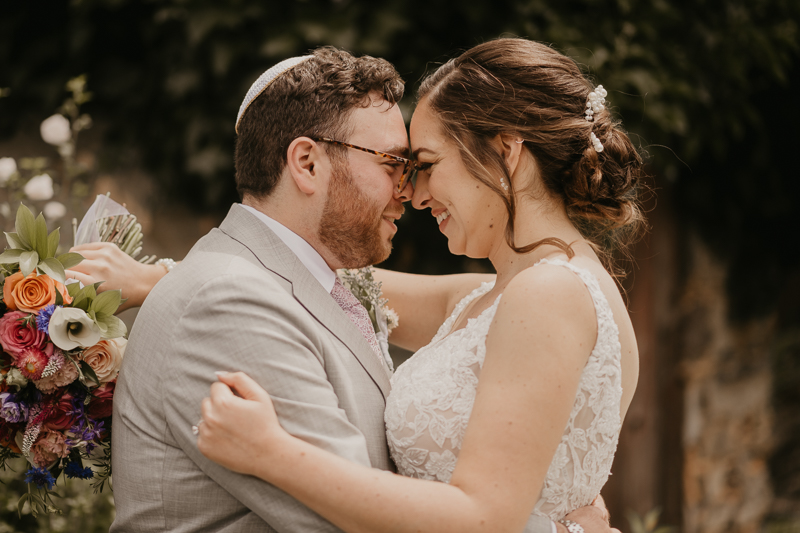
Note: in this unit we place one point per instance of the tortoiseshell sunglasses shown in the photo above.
(409, 166)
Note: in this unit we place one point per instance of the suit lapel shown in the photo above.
(277, 257)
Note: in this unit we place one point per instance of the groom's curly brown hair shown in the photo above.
(313, 99)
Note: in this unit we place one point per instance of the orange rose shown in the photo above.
(32, 292)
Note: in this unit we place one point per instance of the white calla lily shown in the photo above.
(71, 327)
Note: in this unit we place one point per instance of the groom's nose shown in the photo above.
(406, 194)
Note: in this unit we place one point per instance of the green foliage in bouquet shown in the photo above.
(32, 248)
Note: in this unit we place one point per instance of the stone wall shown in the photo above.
(728, 422)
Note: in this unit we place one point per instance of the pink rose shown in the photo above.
(15, 336)
(49, 447)
(105, 358)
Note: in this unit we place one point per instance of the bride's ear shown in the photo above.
(308, 165)
(511, 149)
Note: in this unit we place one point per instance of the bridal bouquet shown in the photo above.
(62, 350)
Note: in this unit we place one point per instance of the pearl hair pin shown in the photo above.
(598, 146)
(503, 184)
(594, 104)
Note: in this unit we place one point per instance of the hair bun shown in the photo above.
(601, 187)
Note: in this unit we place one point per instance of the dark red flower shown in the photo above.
(102, 401)
(61, 417)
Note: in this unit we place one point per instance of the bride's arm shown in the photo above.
(423, 302)
(535, 355)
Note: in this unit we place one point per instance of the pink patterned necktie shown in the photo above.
(357, 314)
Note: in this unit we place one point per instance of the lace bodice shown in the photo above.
(433, 393)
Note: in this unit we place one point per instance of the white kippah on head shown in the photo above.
(264, 80)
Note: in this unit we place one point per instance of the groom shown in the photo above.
(260, 294)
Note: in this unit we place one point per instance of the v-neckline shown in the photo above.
(470, 320)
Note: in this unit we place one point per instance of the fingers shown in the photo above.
(600, 503)
(244, 386)
(80, 276)
(91, 246)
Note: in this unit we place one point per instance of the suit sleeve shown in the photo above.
(247, 323)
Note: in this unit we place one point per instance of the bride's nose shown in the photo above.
(421, 198)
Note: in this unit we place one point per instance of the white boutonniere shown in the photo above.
(368, 292)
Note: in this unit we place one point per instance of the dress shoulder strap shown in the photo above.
(445, 328)
(607, 329)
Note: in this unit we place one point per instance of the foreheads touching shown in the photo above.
(314, 98)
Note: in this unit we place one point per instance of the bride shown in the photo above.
(513, 406)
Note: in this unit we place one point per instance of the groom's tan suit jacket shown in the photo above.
(241, 300)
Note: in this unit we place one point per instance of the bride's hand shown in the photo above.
(239, 427)
(104, 261)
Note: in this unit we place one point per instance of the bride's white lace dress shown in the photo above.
(433, 392)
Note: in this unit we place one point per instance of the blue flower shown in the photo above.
(43, 319)
(41, 477)
(75, 470)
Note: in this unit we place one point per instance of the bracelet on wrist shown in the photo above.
(167, 263)
(572, 527)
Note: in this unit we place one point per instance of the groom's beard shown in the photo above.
(351, 224)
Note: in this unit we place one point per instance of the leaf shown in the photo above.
(14, 240)
(53, 268)
(83, 298)
(27, 262)
(80, 301)
(73, 289)
(42, 243)
(52, 242)
(21, 503)
(70, 259)
(107, 302)
(59, 298)
(115, 327)
(26, 227)
(10, 256)
(91, 290)
(88, 372)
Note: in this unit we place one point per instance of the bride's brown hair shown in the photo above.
(528, 90)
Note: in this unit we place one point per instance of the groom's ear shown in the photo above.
(307, 163)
